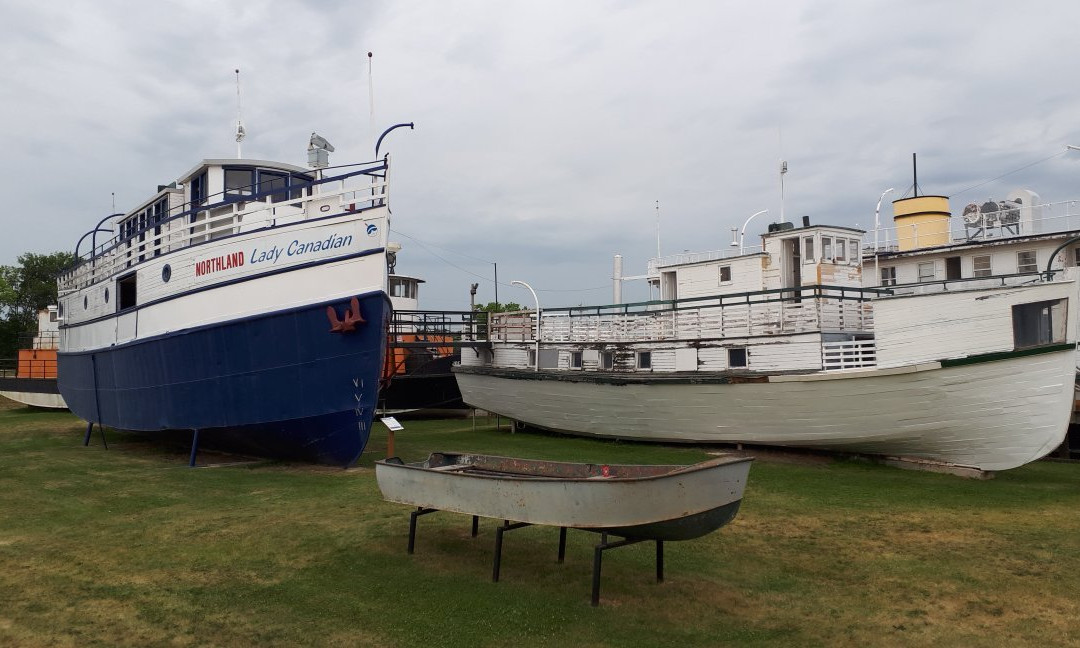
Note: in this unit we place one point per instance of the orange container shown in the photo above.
(37, 363)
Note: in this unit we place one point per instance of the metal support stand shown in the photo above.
(507, 526)
(412, 524)
(598, 556)
(89, 431)
(562, 544)
(194, 448)
(475, 525)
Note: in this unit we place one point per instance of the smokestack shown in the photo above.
(806, 221)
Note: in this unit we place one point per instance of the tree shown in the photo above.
(26, 288)
(496, 307)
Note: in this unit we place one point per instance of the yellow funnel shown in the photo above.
(921, 221)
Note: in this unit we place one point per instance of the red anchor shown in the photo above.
(353, 316)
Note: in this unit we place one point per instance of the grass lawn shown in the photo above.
(128, 546)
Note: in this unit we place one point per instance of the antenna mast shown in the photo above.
(371, 103)
(658, 230)
(239, 118)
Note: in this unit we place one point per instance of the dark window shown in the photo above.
(1026, 261)
(1039, 323)
(644, 360)
(575, 359)
(125, 288)
(298, 186)
(736, 357)
(607, 360)
(725, 274)
(166, 273)
(888, 276)
(239, 182)
(274, 185)
(952, 267)
(198, 190)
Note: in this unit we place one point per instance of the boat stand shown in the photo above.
(194, 448)
(507, 525)
(424, 511)
(89, 429)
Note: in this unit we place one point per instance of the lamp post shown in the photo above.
(877, 226)
(537, 300)
(742, 236)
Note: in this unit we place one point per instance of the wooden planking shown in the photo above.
(924, 328)
(995, 416)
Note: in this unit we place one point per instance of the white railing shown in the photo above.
(223, 220)
(1048, 218)
(699, 257)
(855, 354)
(710, 320)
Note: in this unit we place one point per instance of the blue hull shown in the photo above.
(280, 384)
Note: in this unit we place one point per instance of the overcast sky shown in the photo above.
(545, 131)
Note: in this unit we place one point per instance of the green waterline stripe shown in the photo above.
(1006, 355)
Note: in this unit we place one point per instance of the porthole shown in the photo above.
(85, 302)
(106, 295)
(166, 273)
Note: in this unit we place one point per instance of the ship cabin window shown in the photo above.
(826, 248)
(198, 190)
(808, 249)
(402, 287)
(888, 276)
(980, 266)
(737, 357)
(853, 251)
(644, 360)
(1076, 256)
(575, 359)
(927, 271)
(607, 360)
(532, 357)
(275, 185)
(841, 250)
(125, 289)
(725, 274)
(239, 183)
(53, 316)
(1026, 261)
(1039, 323)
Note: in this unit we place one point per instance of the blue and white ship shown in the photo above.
(245, 302)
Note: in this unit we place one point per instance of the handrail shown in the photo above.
(117, 240)
(169, 236)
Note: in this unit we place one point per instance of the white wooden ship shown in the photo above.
(783, 346)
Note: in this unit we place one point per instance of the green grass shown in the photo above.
(128, 546)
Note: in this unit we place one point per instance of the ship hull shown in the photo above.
(280, 384)
(991, 415)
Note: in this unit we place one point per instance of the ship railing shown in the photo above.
(1011, 221)
(773, 312)
(348, 192)
(444, 329)
(850, 354)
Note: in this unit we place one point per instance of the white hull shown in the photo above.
(991, 415)
(581, 502)
(35, 399)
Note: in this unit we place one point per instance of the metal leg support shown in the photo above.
(598, 556)
(194, 448)
(562, 544)
(659, 561)
(475, 525)
(89, 429)
(412, 524)
(507, 526)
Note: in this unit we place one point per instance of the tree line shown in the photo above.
(25, 288)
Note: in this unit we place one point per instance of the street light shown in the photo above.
(742, 236)
(537, 300)
(877, 226)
